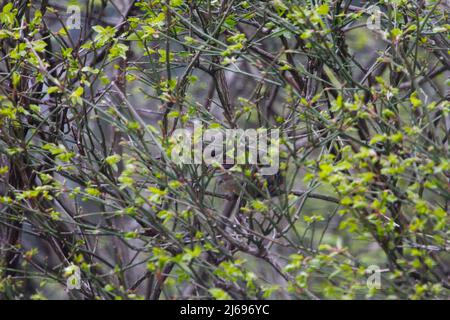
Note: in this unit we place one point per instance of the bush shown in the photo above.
(94, 206)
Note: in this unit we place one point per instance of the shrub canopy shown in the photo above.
(91, 93)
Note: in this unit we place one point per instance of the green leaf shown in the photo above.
(323, 9)
(219, 294)
(176, 3)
